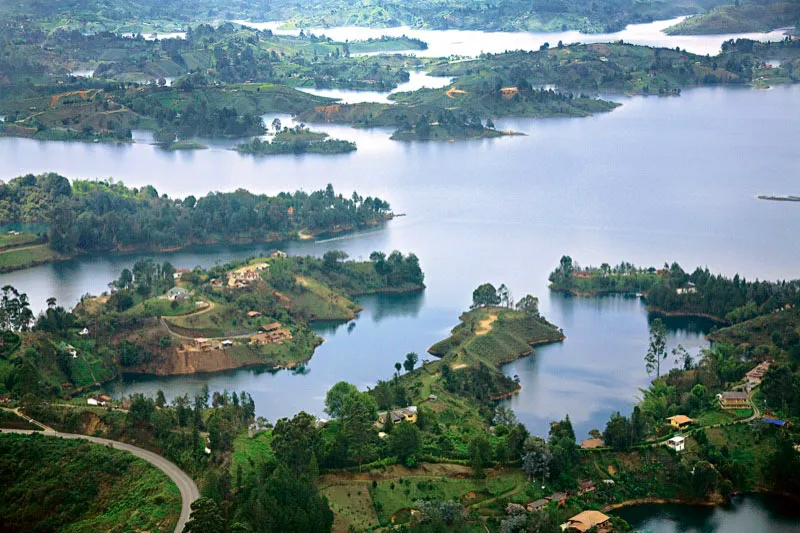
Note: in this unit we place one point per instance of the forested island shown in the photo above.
(224, 78)
(672, 291)
(102, 216)
(298, 140)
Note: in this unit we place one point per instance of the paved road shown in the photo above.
(186, 486)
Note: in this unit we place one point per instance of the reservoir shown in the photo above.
(656, 180)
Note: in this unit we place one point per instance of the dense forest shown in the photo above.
(103, 215)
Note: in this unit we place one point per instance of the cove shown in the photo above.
(658, 179)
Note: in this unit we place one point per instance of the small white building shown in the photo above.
(227, 343)
(96, 402)
(84, 332)
(677, 443)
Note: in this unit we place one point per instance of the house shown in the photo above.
(581, 274)
(515, 508)
(585, 485)
(253, 314)
(279, 254)
(755, 376)
(559, 497)
(262, 266)
(216, 282)
(71, 350)
(733, 400)
(272, 326)
(96, 402)
(227, 343)
(689, 289)
(176, 294)
(5, 398)
(587, 520)
(680, 421)
(83, 332)
(432, 397)
(774, 422)
(588, 444)
(406, 414)
(537, 505)
(677, 443)
(178, 274)
(104, 398)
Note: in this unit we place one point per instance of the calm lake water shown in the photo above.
(658, 179)
(473, 43)
(752, 513)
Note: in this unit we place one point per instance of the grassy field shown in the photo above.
(26, 256)
(318, 302)
(13, 241)
(249, 452)
(495, 335)
(364, 504)
(76, 486)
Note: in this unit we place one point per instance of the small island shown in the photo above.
(297, 140)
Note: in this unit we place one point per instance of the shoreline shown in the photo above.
(650, 308)
(272, 367)
(301, 235)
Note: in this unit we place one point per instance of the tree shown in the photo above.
(205, 517)
(276, 125)
(411, 361)
(683, 359)
(397, 367)
(332, 258)
(405, 443)
(529, 305)
(619, 432)
(657, 350)
(295, 441)
(536, 461)
(161, 400)
(335, 398)
(357, 414)
(480, 454)
(504, 295)
(485, 295)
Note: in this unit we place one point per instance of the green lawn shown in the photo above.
(249, 452)
(17, 258)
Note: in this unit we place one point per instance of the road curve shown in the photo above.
(186, 485)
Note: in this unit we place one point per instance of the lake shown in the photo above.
(751, 513)
(473, 43)
(658, 179)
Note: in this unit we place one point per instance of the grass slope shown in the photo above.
(70, 485)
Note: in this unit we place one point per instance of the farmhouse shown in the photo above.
(177, 294)
(588, 444)
(733, 400)
(680, 421)
(755, 376)
(594, 520)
